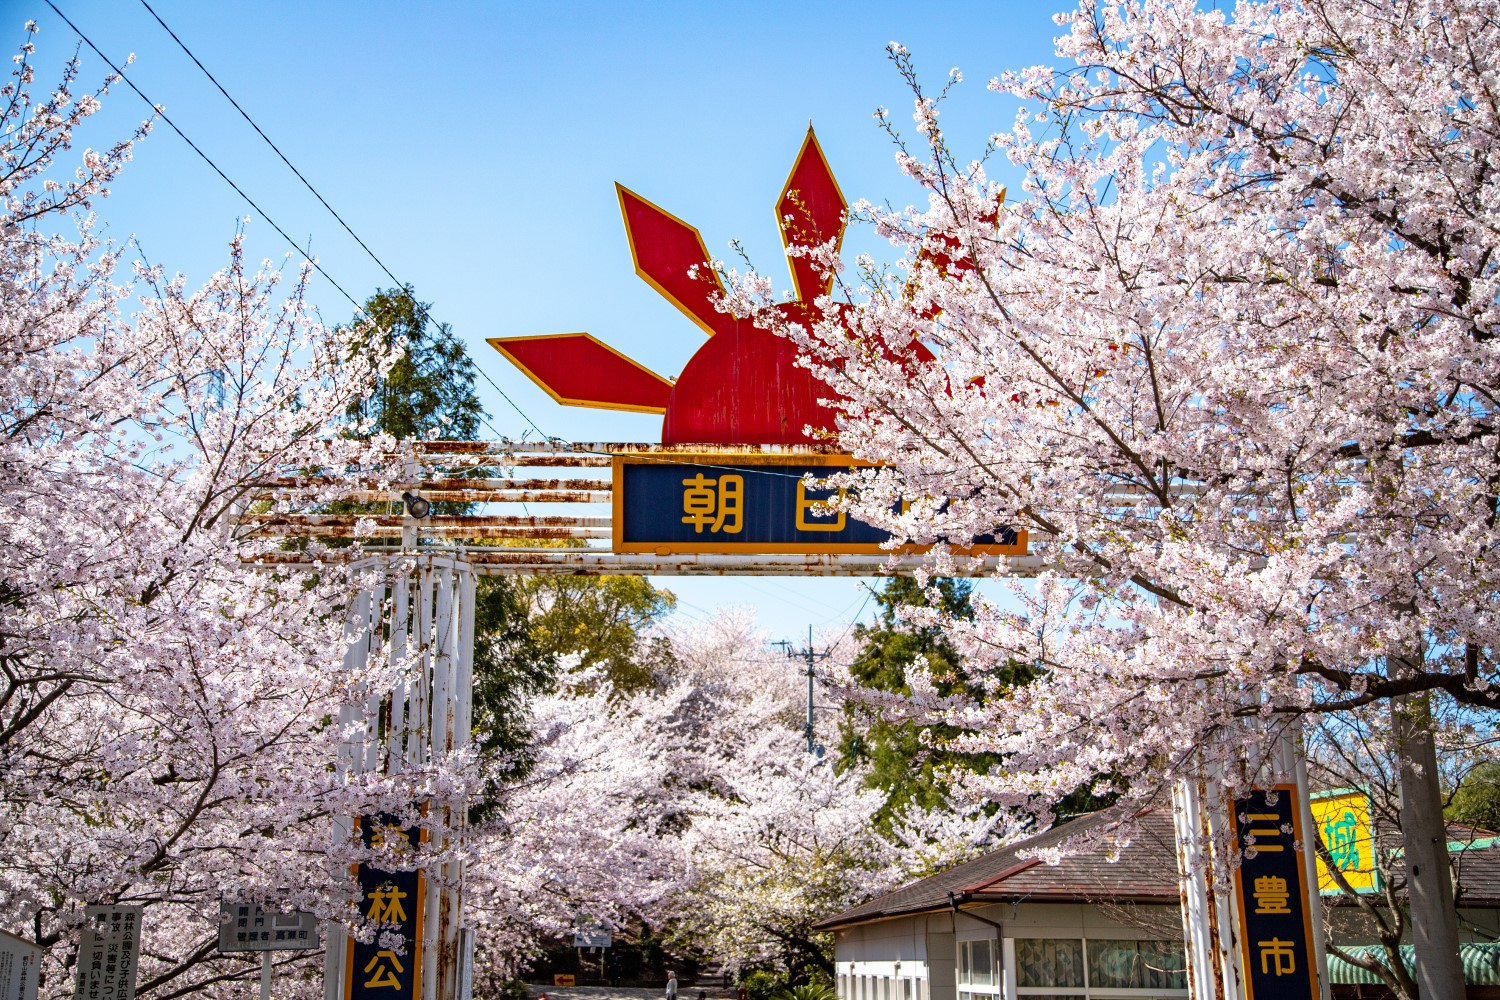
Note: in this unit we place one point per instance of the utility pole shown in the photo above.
(810, 657)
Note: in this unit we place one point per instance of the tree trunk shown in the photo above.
(1429, 879)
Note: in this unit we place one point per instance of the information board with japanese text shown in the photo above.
(20, 964)
(374, 970)
(1343, 821)
(729, 504)
(1275, 922)
(108, 953)
(247, 927)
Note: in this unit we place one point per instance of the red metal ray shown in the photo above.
(810, 213)
(664, 249)
(577, 370)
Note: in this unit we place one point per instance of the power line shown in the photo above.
(156, 109)
(359, 309)
(243, 114)
(322, 201)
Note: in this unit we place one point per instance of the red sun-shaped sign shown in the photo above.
(743, 385)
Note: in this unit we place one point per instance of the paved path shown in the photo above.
(534, 992)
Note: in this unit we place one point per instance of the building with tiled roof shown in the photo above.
(1102, 922)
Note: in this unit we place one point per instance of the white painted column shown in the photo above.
(422, 617)
(1205, 838)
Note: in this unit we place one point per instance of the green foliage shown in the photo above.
(763, 984)
(912, 769)
(901, 764)
(509, 668)
(431, 389)
(511, 989)
(816, 990)
(602, 620)
(1477, 798)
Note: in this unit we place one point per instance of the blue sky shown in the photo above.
(475, 146)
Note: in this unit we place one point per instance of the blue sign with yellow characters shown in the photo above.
(1275, 920)
(396, 901)
(732, 504)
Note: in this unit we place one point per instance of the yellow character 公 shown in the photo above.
(384, 975)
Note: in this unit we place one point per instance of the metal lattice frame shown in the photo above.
(547, 509)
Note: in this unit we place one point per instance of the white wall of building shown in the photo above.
(947, 956)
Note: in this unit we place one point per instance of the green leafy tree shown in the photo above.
(1477, 798)
(605, 622)
(909, 769)
(431, 389)
(912, 768)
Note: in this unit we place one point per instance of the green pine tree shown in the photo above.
(431, 389)
(908, 769)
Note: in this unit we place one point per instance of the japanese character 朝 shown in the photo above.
(1271, 895)
(383, 974)
(718, 504)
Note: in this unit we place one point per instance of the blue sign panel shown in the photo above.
(375, 970)
(1275, 922)
(704, 504)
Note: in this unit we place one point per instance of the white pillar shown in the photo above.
(423, 617)
(1205, 837)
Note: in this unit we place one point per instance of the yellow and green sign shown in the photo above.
(1343, 821)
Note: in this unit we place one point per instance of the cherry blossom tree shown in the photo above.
(693, 807)
(165, 699)
(1230, 359)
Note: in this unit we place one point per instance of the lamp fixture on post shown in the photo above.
(416, 506)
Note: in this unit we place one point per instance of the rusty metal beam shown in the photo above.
(453, 483)
(503, 518)
(320, 521)
(457, 530)
(519, 561)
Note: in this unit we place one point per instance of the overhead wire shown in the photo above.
(157, 110)
(276, 149)
(316, 266)
(366, 248)
(425, 314)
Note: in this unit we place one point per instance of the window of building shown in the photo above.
(977, 974)
(1057, 968)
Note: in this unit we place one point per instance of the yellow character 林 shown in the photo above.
(385, 905)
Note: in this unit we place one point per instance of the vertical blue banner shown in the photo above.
(1275, 919)
(374, 970)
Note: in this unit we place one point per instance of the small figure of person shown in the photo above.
(671, 986)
